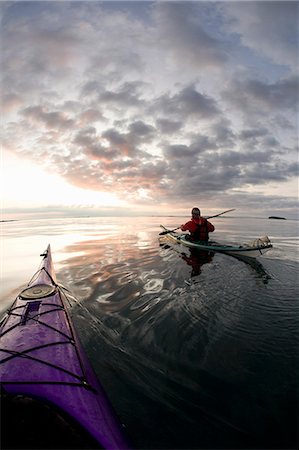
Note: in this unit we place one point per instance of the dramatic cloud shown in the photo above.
(154, 101)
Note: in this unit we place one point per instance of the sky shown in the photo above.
(149, 108)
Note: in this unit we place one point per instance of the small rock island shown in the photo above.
(276, 217)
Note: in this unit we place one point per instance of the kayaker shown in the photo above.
(198, 226)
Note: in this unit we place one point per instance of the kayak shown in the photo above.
(50, 395)
(254, 249)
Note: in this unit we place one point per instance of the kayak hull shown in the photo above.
(41, 358)
(257, 249)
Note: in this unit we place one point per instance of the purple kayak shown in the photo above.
(49, 391)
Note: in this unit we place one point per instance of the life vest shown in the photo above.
(201, 233)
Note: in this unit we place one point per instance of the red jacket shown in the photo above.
(199, 229)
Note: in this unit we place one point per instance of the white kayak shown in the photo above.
(253, 249)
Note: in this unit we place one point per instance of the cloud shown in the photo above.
(50, 119)
(256, 96)
(250, 134)
(39, 45)
(91, 87)
(128, 142)
(199, 145)
(91, 146)
(116, 138)
(181, 30)
(90, 115)
(168, 126)
(223, 133)
(126, 95)
(112, 161)
(269, 28)
(11, 102)
(159, 100)
(118, 158)
(187, 103)
(141, 129)
(206, 165)
(261, 137)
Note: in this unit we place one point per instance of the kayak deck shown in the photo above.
(255, 249)
(42, 359)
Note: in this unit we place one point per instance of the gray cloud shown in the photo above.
(259, 137)
(51, 119)
(123, 142)
(206, 165)
(126, 95)
(168, 126)
(179, 152)
(283, 94)
(141, 129)
(181, 29)
(223, 133)
(90, 145)
(268, 27)
(92, 88)
(293, 169)
(187, 103)
(258, 97)
(250, 134)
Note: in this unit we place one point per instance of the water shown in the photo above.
(194, 351)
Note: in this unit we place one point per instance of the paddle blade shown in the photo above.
(162, 233)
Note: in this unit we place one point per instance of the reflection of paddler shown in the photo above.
(196, 259)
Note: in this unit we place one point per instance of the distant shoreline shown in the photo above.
(171, 216)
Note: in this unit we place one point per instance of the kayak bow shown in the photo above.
(256, 248)
(43, 366)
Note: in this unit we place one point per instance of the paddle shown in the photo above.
(168, 231)
(210, 217)
(220, 214)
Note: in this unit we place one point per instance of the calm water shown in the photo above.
(194, 351)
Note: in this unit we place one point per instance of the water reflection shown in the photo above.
(193, 257)
(196, 259)
(114, 274)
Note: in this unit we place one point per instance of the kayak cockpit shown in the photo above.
(28, 423)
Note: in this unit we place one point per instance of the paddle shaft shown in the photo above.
(220, 214)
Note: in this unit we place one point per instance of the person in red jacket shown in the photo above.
(198, 226)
